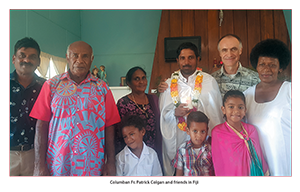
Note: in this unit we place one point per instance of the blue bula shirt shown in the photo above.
(22, 127)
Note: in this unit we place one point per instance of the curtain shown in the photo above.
(44, 65)
(59, 64)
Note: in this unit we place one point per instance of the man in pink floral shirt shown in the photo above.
(76, 113)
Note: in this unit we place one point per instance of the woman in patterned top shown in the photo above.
(144, 105)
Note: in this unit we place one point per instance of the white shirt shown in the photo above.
(128, 164)
(210, 102)
(272, 121)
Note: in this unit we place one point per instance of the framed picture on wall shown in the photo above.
(123, 81)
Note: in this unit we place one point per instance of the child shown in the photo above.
(136, 159)
(193, 158)
(235, 145)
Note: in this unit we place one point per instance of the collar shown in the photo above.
(239, 70)
(88, 78)
(145, 151)
(182, 78)
(36, 79)
(189, 144)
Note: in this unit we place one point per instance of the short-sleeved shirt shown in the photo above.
(242, 80)
(77, 116)
(22, 127)
(128, 164)
(192, 164)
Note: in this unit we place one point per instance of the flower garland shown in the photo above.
(195, 94)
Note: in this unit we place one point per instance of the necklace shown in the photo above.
(195, 94)
(144, 108)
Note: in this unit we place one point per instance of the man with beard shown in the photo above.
(189, 89)
(25, 87)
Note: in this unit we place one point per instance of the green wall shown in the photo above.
(288, 21)
(121, 39)
(54, 30)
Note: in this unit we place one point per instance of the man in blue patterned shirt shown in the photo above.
(232, 74)
(25, 87)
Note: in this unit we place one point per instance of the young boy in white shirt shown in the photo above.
(136, 159)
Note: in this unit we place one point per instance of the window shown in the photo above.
(50, 66)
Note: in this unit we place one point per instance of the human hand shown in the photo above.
(109, 169)
(182, 110)
(162, 86)
(41, 170)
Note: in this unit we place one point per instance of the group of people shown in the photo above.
(70, 124)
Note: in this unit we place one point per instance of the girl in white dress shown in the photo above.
(269, 105)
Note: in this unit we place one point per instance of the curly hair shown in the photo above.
(273, 48)
(133, 120)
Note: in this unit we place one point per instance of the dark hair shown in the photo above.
(197, 116)
(133, 120)
(273, 48)
(131, 72)
(27, 42)
(95, 68)
(230, 35)
(188, 45)
(235, 94)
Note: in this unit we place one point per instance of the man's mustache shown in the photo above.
(25, 63)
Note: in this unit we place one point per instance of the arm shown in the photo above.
(178, 163)
(40, 148)
(156, 170)
(179, 172)
(162, 86)
(119, 165)
(211, 102)
(109, 167)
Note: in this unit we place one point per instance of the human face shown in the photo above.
(26, 60)
(234, 109)
(187, 62)
(138, 82)
(198, 132)
(268, 69)
(80, 59)
(133, 137)
(230, 51)
(95, 72)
